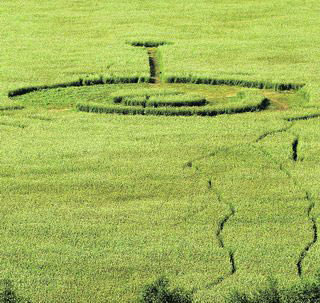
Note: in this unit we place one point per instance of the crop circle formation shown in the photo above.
(174, 103)
(166, 101)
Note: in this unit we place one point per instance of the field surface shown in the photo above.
(96, 205)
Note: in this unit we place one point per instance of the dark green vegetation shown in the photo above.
(95, 207)
(143, 43)
(306, 291)
(8, 294)
(159, 292)
(303, 292)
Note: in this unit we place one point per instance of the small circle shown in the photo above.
(158, 98)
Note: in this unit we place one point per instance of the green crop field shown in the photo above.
(147, 139)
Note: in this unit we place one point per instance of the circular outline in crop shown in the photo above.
(260, 103)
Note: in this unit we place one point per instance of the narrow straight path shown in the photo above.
(155, 72)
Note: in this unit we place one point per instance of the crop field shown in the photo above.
(147, 139)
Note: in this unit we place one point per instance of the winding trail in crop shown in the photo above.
(269, 133)
(222, 223)
(308, 197)
(221, 243)
(306, 117)
(190, 163)
(309, 245)
(218, 231)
